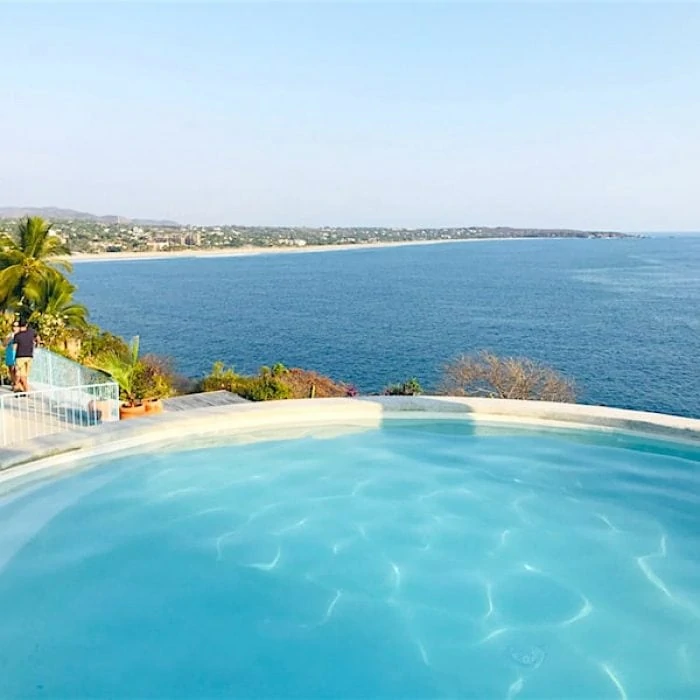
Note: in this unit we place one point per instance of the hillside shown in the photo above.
(56, 214)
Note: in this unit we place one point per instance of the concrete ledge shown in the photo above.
(292, 418)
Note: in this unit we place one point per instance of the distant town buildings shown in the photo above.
(93, 236)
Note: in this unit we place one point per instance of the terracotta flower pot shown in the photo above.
(153, 406)
(128, 412)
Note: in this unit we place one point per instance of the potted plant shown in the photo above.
(153, 381)
(123, 368)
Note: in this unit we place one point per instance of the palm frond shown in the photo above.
(61, 265)
(11, 285)
(134, 349)
(7, 241)
(76, 316)
(52, 294)
(121, 369)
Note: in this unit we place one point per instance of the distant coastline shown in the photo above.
(120, 238)
(246, 251)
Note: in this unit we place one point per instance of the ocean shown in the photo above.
(619, 317)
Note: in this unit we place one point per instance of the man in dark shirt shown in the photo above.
(24, 343)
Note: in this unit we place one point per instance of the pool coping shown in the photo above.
(62, 448)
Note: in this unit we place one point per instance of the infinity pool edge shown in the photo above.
(291, 415)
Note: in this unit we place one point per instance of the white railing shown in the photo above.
(63, 394)
(53, 410)
(50, 369)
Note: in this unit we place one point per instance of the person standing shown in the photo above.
(24, 343)
(10, 353)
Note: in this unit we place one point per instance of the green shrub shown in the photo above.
(154, 378)
(268, 385)
(6, 320)
(265, 387)
(221, 378)
(95, 343)
(411, 387)
(278, 370)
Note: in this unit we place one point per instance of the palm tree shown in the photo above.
(52, 296)
(29, 255)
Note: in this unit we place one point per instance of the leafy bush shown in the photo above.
(273, 383)
(264, 387)
(52, 329)
(496, 377)
(411, 387)
(95, 343)
(6, 320)
(139, 378)
(221, 378)
(154, 378)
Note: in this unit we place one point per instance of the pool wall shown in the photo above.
(294, 417)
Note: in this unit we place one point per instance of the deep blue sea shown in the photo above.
(620, 317)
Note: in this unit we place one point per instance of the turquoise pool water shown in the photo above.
(421, 559)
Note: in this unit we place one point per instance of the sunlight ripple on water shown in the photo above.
(422, 559)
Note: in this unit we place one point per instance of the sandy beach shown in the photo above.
(253, 250)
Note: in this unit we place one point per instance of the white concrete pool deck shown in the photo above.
(292, 418)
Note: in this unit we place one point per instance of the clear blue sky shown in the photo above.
(577, 115)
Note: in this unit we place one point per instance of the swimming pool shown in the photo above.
(420, 558)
